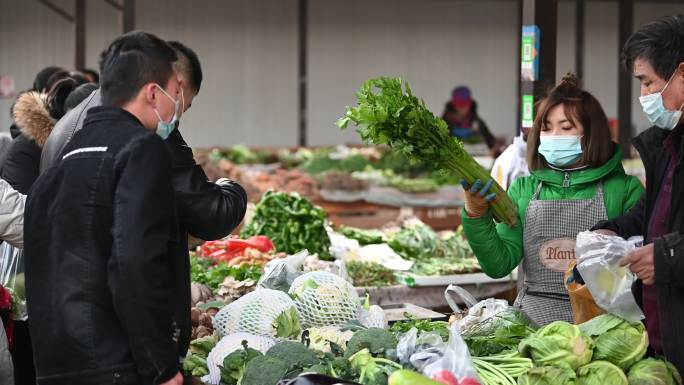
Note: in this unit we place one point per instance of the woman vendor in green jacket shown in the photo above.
(576, 180)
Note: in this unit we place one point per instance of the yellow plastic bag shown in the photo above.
(583, 306)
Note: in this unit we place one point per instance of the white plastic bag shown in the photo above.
(12, 276)
(229, 344)
(598, 258)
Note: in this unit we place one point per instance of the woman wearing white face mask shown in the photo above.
(576, 180)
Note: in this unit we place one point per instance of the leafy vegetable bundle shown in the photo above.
(388, 113)
(291, 222)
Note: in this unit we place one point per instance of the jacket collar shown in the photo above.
(104, 113)
(588, 175)
(650, 143)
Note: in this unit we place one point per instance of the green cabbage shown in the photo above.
(558, 344)
(616, 340)
(547, 375)
(601, 373)
(652, 371)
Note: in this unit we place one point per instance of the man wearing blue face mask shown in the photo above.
(655, 55)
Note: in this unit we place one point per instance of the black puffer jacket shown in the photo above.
(104, 274)
(669, 249)
(20, 167)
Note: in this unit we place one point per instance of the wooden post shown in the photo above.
(127, 16)
(625, 28)
(80, 34)
(579, 38)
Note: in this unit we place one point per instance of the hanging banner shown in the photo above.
(529, 63)
(7, 90)
(527, 111)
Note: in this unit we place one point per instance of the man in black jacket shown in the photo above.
(103, 271)
(205, 209)
(655, 55)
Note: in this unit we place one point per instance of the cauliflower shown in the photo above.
(321, 337)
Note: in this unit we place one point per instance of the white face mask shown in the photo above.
(656, 112)
(164, 129)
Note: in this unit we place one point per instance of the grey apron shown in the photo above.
(551, 227)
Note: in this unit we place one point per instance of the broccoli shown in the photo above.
(377, 341)
(373, 371)
(294, 354)
(264, 370)
(318, 369)
(234, 364)
(341, 368)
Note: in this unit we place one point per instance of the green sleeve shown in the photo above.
(634, 192)
(498, 248)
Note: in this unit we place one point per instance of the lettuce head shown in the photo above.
(559, 344)
(601, 373)
(616, 340)
(653, 371)
(548, 375)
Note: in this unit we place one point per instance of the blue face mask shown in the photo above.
(164, 129)
(655, 109)
(561, 151)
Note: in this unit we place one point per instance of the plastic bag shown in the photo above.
(583, 305)
(280, 273)
(433, 357)
(12, 277)
(598, 256)
(315, 379)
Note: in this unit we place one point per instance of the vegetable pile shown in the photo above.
(388, 113)
(291, 222)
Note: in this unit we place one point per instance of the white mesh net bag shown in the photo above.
(229, 344)
(324, 299)
(263, 312)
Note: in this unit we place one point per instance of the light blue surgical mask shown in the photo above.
(164, 129)
(656, 112)
(561, 151)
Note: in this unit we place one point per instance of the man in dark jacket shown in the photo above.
(205, 209)
(655, 54)
(103, 272)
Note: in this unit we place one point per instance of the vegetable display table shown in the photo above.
(432, 297)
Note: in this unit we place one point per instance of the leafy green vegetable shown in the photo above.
(617, 341)
(558, 344)
(548, 375)
(291, 222)
(422, 325)
(502, 368)
(652, 371)
(322, 162)
(234, 364)
(195, 365)
(502, 339)
(388, 113)
(370, 274)
(413, 185)
(365, 237)
(202, 270)
(373, 370)
(601, 373)
(202, 346)
(287, 324)
(418, 241)
(376, 340)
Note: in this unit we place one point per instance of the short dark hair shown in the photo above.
(47, 77)
(194, 73)
(78, 94)
(92, 73)
(580, 107)
(57, 96)
(133, 60)
(660, 43)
